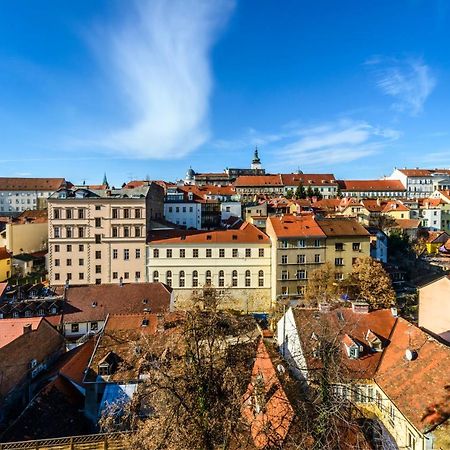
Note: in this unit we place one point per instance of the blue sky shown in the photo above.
(148, 88)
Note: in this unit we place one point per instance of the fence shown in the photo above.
(110, 441)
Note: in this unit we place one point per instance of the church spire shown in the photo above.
(256, 159)
(105, 180)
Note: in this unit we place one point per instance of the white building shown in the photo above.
(421, 182)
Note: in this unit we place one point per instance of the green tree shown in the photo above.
(300, 192)
(289, 194)
(309, 192)
(317, 194)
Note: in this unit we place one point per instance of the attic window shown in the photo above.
(145, 322)
(183, 238)
(260, 237)
(234, 237)
(208, 237)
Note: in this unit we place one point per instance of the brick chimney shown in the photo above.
(360, 307)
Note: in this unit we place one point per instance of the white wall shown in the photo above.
(184, 213)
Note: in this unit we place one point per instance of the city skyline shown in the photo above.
(152, 88)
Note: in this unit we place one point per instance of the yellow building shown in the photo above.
(5, 264)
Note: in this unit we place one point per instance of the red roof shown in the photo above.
(258, 180)
(419, 388)
(31, 184)
(295, 226)
(371, 185)
(11, 329)
(313, 179)
(4, 254)
(246, 233)
(76, 362)
(423, 172)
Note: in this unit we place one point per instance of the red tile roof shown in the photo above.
(11, 329)
(32, 216)
(4, 254)
(407, 224)
(95, 302)
(394, 205)
(247, 233)
(423, 172)
(419, 388)
(371, 185)
(75, 366)
(342, 227)
(290, 226)
(31, 184)
(258, 180)
(306, 179)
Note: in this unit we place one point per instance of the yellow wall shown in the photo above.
(5, 269)
(26, 238)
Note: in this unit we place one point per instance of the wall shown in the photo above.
(26, 238)
(5, 269)
(184, 213)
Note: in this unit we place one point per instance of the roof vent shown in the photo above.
(410, 354)
(394, 311)
(145, 301)
(94, 304)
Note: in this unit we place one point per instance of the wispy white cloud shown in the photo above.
(409, 82)
(160, 57)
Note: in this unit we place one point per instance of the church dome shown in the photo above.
(190, 174)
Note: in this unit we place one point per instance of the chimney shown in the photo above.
(394, 312)
(324, 307)
(360, 307)
(27, 328)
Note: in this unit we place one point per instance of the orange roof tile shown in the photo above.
(342, 227)
(423, 172)
(11, 329)
(4, 254)
(314, 179)
(296, 226)
(371, 185)
(30, 184)
(258, 180)
(407, 224)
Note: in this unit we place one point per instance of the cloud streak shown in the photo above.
(160, 55)
(409, 82)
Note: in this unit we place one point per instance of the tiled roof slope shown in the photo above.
(371, 185)
(258, 180)
(30, 184)
(246, 233)
(342, 227)
(95, 302)
(419, 388)
(296, 226)
(11, 329)
(306, 179)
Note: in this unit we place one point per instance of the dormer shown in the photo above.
(375, 343)
(353, 348)
(107, 365)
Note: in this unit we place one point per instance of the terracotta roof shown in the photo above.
(246, 233)
(371, 185)
(423, 172)
(32, 216)
(75, 366)
(258, 180)
(296, 226)
(94, 302)
(11, 329)
(313, 179)
(212, 189)
(342, 227)
(223, 175)
(395, 206)
(4, 254)
(373, 205)
(271, 424)
(3, 287)
(407, 224)
(31, 184)
(345, 326)
(431, 202)
(419, 388)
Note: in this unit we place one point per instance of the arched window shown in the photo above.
(194, 278)
(169, 278)
(234, 278)
(181, 279)
(155, 276)
(247, 278)
(221, 278)
(208, 277)
(261, 278)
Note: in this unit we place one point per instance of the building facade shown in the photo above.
(99, 236)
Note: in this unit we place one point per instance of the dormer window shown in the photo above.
(374, 341)
(353, 348)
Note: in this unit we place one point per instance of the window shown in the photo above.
(98, 238)
(56, 232)
(235, 253)
(391, 414)
(338, 261)
(137, 213)
(261, 278)
(98, 207)
(126, 254)
(137, 275)
(126, 275)
(81, 276)
(300, 290)
(208, 253)
(234, 278)
(126, 232)
(379, 401)
(411, 442)
(208, 277)
(317, 242)
(69, 248)
(137, 231)
(80, 232)
(81, 262)
(155, 276)
(182, 253)
(98, 222)
(137, 253)
(115, 232)
(339, 246)
(301, 259)
(221, 278)
(284, 259)
(338, 276)
(169, 278)
(284, 290)
(115, 253)
(261, 253)
(284, 274)
(194, 278)
(56, 262)
(126, 213)
(221, 253)
(301, 274)
(195, 253)
(181, 278)
(57, 277)
(115, 213)
(98, 269)
(56, 214)
(69, 232)
(247, 278)
(94, 326)
(356, 246)
(317, 258)
(301, 243)
(68, 213)
(155, 253)
(284, 244)
(98, 254)
(169, 253)
(80, 213)
(75, 328)
(57, 248)
(69, 262)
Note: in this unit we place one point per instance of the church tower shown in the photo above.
(256, 163)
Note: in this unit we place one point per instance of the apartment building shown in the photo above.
(323, 183)
(421, 183)
(236, 261)
(301, 244)
(20, 194)
(99, 236)
(372, 188)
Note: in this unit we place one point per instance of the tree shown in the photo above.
(371, 283)
(317, 194)
(384, 222)
(322, 286)
(300, 192)
(309, 192)
(289, 194)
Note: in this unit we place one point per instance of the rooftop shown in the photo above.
(290, 226)
(258, 180)
(11, 329)
(342, 227)
(371, 185)
(31, 184)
